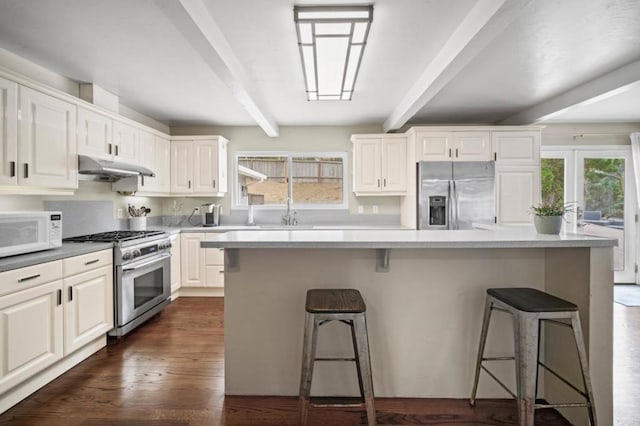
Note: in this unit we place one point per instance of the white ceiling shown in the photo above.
(221, 62)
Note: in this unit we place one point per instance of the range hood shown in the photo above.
(109, 171)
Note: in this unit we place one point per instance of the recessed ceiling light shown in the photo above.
(331, 40)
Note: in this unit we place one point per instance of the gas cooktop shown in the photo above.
(114, 236)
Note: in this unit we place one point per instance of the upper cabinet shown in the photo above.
(155, 154)
(126, 141)
(8, 132)
(515, 148)
(379, 164)
(95, 134)
(453, 146)
(199, 165)
(47, 141)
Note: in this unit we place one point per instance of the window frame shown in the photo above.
(290, 155)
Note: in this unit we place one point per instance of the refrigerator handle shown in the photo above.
(449, 206)
(454, 203)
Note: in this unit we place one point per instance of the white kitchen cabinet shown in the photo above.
(95, 134)
(175, 262)
(47, 141)
(517, 189)
(192, 260)
(88, 298)
(214, 264)
(515, 148)
(379, 164)
(199, 165)
(126, 140)
(31, 321)
(8, 132)
(453, 146)
(162, 165)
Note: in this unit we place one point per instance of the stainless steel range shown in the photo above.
(142, 271)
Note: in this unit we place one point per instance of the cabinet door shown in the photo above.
(472, 146)
(366, 165)
(8, 132)
(192, 260)
(95, 134)
(175, 263)
(148, 160)
(88, 311)
(205, 166)
(516, 147)
(434, 146)
(47, 141)
(517, 189)
(181, 167)
(126, 139)
(162, 165)
(394, 165)
(222, 167)
(31, 337)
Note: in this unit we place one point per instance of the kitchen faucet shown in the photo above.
(288, 218)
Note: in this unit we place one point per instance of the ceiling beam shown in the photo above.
(193, 19)
(481, 25)
(607, 85)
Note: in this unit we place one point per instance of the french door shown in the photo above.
(599, 179)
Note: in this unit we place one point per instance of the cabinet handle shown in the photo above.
(189, 184)
(59, 296)
(26, 170)
(378, 183)
(495, 156)
(449, 152)
(141, 180)
(456, 152)
(12, 169)
(214, 183)
(221, 272)
(21, 280)
(117, 150)
(110, 149)
(384, 182)
(91, 261)
(70, 294)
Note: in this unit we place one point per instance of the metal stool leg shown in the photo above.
(360, 325)
(308, 356)
(483, 341)
(526, 328)
(354, 340)
(584, 366)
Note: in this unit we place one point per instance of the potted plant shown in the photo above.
(548, 216)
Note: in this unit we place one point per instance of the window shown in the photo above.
(310, 180)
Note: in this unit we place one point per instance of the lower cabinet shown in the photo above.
(48, 312)
(517, 189)
(200, 267)
(175, 263)
(31, 321)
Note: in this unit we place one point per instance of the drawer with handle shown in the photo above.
(87, 262)
(30, 276)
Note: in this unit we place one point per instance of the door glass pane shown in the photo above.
(604, 202)
(263, 179)
(552, 175)
(147, 286)
(317, 180)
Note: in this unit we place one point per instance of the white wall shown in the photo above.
(589, 133)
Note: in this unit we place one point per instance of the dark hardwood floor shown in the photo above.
(171, 372)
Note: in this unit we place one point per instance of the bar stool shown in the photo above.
(346, 306)
(528, 307)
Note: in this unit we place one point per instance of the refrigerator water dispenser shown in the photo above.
(438, 210)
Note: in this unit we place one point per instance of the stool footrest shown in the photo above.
(334, 359)
(499, 358)
(564, 405)
(336, 401)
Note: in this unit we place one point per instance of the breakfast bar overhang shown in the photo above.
(425, 294)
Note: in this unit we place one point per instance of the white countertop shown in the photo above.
(386, 238)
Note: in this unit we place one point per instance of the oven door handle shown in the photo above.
(151, 262)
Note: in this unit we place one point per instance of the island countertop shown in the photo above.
(409, 239)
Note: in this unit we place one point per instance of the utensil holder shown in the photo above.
(138, 223)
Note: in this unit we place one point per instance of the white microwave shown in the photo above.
(25, 232)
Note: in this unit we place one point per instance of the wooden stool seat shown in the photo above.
(528, 308)
(531, 300)
(348, 307)
(334, 301)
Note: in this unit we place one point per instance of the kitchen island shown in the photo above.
(425, 293)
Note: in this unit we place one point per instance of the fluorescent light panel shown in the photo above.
(331, 41)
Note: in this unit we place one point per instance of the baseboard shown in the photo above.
(29, 386)
(200, 292)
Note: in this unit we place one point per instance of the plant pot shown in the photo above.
(138, 223)
(548, 224)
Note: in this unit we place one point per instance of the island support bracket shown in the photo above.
(382, 260)
(231, 260)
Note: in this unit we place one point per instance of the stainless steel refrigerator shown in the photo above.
(454, 195)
